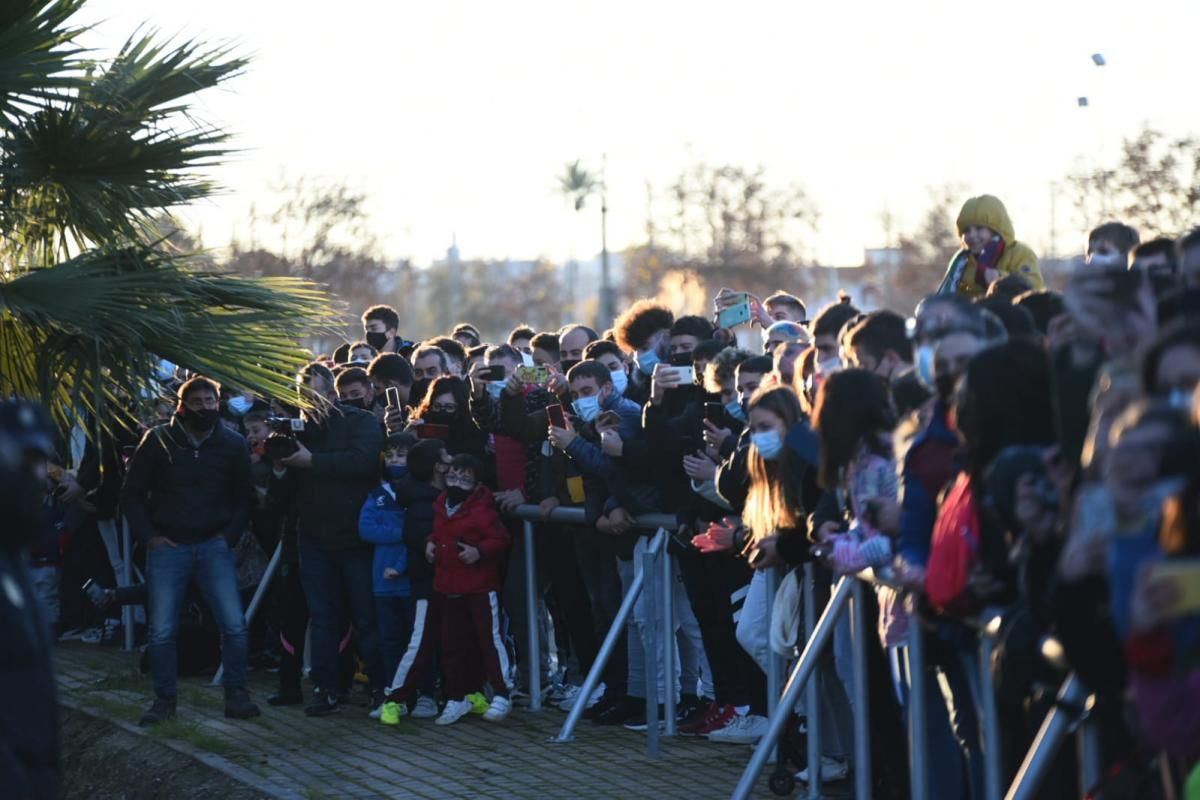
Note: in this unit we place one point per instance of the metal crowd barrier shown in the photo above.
(1072, 711)
(653, 583)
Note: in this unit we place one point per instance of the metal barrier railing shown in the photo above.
(1072, 711)
(653, 584)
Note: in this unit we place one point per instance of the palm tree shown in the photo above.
(93, 155)
(577, 185)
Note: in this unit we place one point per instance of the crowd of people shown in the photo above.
(1007, 448)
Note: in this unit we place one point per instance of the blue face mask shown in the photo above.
(734, 409)
(620, 381)
(587, 408)
(925, 365)
(239, 405)
(768, 443)
(495, 389)
(396, 472)
(646, 361)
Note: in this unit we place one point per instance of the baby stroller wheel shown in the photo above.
(782, 782)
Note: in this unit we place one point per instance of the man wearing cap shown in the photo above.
(188, 496)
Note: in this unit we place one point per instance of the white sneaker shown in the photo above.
(498, 710)
(453, 712)
(425, 708)
(376, 712)
(572, 693)
(832, 771)
(741, 730)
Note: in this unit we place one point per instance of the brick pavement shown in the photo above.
(285, 755)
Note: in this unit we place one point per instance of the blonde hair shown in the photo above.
(773, 502)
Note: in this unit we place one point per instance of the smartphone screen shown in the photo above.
(714, 413)
(432, 431)
(493, 373)
(393, 397)
(554, 413)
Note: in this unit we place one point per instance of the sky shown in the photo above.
(455, 118)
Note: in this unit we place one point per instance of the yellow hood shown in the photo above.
(989, 211)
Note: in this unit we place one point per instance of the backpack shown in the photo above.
(954, 550)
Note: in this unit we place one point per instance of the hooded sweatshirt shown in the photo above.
(1016, 259)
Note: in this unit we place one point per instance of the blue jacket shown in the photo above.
(381, 522)
(927, 461)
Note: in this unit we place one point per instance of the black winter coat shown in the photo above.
(185, 492)
(322, 502)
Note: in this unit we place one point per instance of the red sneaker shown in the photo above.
(717, 718)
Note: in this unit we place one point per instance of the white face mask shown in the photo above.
(527, 359)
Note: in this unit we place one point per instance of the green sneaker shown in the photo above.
(479, 703)
(391, 713)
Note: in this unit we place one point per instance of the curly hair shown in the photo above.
(641, 321)
(723, 368)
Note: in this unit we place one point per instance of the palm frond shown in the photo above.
(38, 57)
(89, 331)
(91, 180)
(146, 81)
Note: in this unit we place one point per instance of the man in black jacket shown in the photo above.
(188, 497)
(322, 487)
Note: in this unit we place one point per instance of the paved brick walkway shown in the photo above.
(285, 755)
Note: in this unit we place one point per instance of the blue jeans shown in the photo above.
(395, 629)
(328, 576)
(168, 570)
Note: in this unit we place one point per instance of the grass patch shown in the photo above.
(115, 709)
(120, 681)
(191, 734)
(201, 698)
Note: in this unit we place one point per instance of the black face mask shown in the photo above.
(359, 402)
(457, 494)
(203, 420)
(440, 418)
(377, 340)
(566, 364)
(416, 394)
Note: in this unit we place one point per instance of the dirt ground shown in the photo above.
(103, 762)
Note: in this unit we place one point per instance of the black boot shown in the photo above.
(162, 710)
(238, 704)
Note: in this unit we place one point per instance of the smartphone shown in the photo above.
(431, 431)
(1185, 574)
(736, 313)
(609, 418)
(554, 413)
(687, 376)
(533, 375)
(393, 398)
(715, 413)
(493, 373)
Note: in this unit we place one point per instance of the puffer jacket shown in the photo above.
(1017, 258)
(476, 522)
(381, 522)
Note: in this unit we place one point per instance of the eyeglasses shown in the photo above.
(443, 408)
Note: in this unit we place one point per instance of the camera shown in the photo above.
(284, 440)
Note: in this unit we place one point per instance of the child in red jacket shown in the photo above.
(466, 547)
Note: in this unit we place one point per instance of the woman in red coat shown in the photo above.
(467, 547)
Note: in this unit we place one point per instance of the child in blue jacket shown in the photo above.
(381, 522)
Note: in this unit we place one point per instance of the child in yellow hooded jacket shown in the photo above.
(990, 250)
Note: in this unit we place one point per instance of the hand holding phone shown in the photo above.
(393, 398)
(555, 415)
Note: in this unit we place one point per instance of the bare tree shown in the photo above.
(1154, 186)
